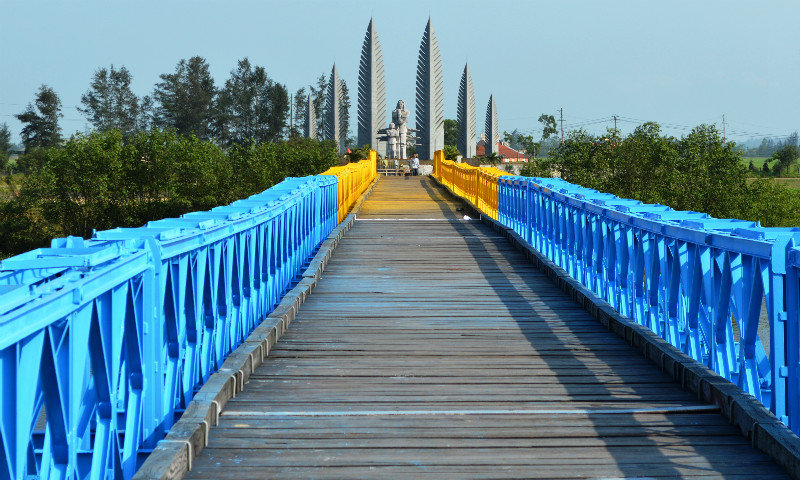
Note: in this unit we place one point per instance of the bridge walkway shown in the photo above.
(431, 349)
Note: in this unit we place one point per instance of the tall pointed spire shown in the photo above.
(491, 133)
(332, 104)
(430, 96)
(371, 91)
(467, 123)
(310, 126)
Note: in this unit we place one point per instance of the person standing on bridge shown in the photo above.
(415, 165)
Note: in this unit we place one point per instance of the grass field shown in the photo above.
(791, 182)
(758, 162)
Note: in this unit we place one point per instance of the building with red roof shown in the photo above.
(506, 153)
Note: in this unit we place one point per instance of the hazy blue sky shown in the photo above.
(680, 63)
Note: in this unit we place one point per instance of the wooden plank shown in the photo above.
(441, 321)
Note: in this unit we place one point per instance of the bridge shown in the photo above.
(470, 324)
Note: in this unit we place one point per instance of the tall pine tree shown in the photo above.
(40, 120)
(184, 100)
(251, 107)
(110, 103)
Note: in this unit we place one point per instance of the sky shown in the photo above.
(679, 63)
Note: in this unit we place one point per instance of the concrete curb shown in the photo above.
(173, 456)
(765, 431)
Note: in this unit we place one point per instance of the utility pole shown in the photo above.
(723, 126)
(615, 123)
(561, 115)
(291, 114)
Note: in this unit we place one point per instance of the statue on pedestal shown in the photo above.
(398, 135)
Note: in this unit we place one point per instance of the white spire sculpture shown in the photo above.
(371, 92)
(491, 133)
(311, 119)
(467, 123)
(333, 100)
(430, 96)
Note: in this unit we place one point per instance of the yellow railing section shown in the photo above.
(354, 179)
(477, 184)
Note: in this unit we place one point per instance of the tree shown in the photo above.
(792, 139)
(184, 100)
(41, 123)
(278, 118)
(5, 145)
(548, 125)
(344, 112)
(492, 158)
(318, 96)
(251, 107)
(786, 156)
(450, 131)
(451, 152)
(110, 104)
(299, 105)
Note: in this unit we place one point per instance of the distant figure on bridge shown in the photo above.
(415, 165)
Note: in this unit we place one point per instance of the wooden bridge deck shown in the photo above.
(431, 349)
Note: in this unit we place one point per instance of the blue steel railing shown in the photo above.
(103, 342)
(711, 287)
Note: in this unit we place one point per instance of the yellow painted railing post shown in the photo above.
(353, 181)
(477, 184)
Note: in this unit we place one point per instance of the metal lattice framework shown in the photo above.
(333, 102)
(371, 91)
(103, 342)
(467, 122)
(700, 283)
(310, 125)
(491, 132)
(430, 96)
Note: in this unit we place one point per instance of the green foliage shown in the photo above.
(771, 203)
(548, 125)
(492, 159)
(450, 132)
(41, 127)
(318, 97)
(358, 154)
(110, 104)
(701, 172)
(5, 145)
(184, 100)
(786, 156)
(299, 104)
(251, 107)
(526, 144)
(451, 152)
(104, 180)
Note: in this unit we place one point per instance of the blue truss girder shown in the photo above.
(103, 342)
(698, 282)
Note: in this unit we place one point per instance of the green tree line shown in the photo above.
(106, 179)
(249, 107)
(700, 171)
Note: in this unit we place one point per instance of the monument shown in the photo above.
(491, 133)
(371, 92)
(467, 124)
(398, 136)
(430, 96)
(311, 119)
(333, 100)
